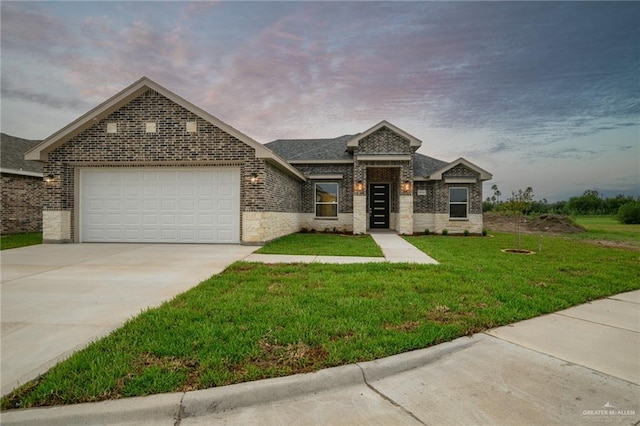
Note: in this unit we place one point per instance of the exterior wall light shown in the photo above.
(254, 177)
(359, 186)
(406, 186)
(48, 178)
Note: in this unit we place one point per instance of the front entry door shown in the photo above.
(379, 205)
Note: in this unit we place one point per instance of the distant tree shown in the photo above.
(589, 202)
(629, 213)
(519, 205)
(495, 198)
(612, 205)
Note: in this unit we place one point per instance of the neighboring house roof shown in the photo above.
(12, 160)
(300, 150)
(41, 151)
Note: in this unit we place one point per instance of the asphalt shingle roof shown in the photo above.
(336, 149)
(12, 151)
(312, 149)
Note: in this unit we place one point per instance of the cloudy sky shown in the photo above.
(541, 94)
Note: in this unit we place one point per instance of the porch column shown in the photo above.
(359, 214)
(405, 215)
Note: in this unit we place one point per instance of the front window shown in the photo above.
(326, 199)
(458, 203)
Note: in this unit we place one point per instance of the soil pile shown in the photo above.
(547, 223)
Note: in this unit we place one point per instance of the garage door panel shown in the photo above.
(156, 205)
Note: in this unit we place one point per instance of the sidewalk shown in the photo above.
(394, 248)
(577, 366)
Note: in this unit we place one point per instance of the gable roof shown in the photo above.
(12, 160)
(298, 150)
(413, 141)
(484, 175)
(40, 152)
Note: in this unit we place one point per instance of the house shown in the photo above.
(148, 166)
(22, 187)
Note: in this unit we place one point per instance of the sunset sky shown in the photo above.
(545, 95)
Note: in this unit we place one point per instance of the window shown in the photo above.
(326, 199)
(458, 202)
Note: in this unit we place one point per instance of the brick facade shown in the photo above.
(156, 129)
(345, 185)
(384, 141)
(441, 193)
(21, 204)
(170, 145)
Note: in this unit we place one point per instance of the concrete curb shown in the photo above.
(209, 401)
(385, 367)
(155, 408)
(174, 406)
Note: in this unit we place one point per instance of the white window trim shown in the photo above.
(458, 203)
(315, 202)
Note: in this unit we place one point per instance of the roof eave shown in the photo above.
(484, 175)
(40, 152)
(413, 141)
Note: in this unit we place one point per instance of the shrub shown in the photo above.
(426, 231)
(629, 213)
(445, 231)
(484, 232)
(466, 232)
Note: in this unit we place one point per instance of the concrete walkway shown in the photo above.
(577, 366)
(56, 298)
(394, 248)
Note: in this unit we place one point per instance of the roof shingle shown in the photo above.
(12, 151)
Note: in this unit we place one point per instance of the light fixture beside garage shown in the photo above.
(254, 177)
(406, 186)
(359, 186)
(48, 178)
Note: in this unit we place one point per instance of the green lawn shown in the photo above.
(607, 228)
(20, 240)
(324, 245)
(256, 321)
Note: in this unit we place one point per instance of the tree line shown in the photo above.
(591, 202)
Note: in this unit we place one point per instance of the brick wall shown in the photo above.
(345, 185)
(21, 204)
(424, 203)
(132, 146)
(282, 192)
(441, 193)
(384, 141)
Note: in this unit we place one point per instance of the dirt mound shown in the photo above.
(555, 223)
(548, 223)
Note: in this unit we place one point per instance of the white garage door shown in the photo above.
(160, 205)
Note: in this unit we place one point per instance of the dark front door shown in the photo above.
(379, 205)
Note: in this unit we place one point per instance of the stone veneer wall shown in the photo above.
(343, 223)
(132, 146)
(261, 227)
(20, 203)
(281, 208)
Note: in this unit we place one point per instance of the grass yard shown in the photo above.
(607, 228)
(20, 240)
(256, 321)
(324, 245)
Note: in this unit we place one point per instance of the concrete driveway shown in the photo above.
(57, 298)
